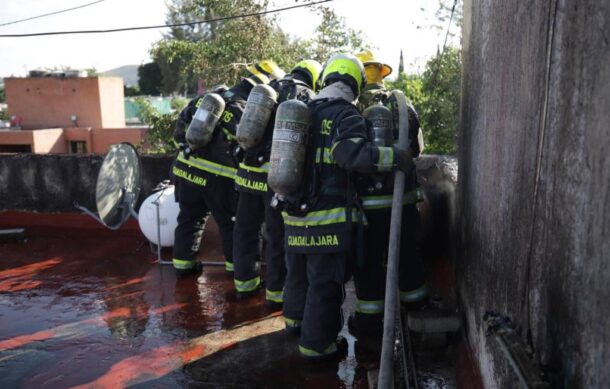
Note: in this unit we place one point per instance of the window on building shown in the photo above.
(78, 146)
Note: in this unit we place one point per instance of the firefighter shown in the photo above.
(254, 204)
(321, 216)
(204, 173)
(375, 193)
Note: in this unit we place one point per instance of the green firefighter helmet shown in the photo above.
(347, 68)
(311, 69)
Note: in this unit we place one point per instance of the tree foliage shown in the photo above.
(159, 137)
(436, 96)
(150, 79)
(444, 22)
(333, 35)
(218, 51)
(131, 91)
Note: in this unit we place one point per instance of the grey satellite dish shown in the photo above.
(118, 186)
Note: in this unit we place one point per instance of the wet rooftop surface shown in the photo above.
(91, 308)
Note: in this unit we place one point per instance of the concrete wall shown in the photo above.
(56, 141)
(534, 189)
(40, 141)
(52, 183)
(51, 141)
(112, 102)
(103, 138)
(47, 102)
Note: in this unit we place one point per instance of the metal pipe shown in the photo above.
(403, 332)
(156, 202)
(386, 368)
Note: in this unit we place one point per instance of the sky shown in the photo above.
(390, 26)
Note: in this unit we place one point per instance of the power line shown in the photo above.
(449, 25)
(51, 13)
(164, 25)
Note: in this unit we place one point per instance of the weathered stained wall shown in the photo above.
(47, 102)
(56, 141)
(534, 189)
(52, 183)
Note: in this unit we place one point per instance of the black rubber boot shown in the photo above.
(195, 270)
(251, 293)
(365, 326)
(339, 351)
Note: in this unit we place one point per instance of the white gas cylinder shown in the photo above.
(168, 216)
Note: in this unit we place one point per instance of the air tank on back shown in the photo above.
(382, 126)
(256, 116)
(201, 129)
(289, 147)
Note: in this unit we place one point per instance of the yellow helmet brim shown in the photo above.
(386, 70)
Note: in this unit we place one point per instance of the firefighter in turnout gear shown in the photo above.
(204, 173)
(254, 204)
(322, 216)
(375, 193)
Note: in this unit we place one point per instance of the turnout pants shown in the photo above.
(191, 223)
(369, 279)
(221, 198)
(313, 296)
(252, 210)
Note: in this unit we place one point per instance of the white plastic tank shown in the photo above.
(168, 216)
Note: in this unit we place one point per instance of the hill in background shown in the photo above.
(128, 72)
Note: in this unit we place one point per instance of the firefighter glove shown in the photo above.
(403, 159)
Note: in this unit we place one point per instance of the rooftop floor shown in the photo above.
(88, 307)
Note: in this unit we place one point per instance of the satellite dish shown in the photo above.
(118, 186)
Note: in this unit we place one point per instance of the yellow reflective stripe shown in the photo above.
(385, 201)
(313, 353)
(386, 159)
(182, 264)
(264, 168)
(229, 266)
(275, 296)
(228, 134)
(319, 218)
(323, 154)
(354, 140)
(414, 196)
(292, 323)
(415, 295)
(208, 166)
(251, 184)
(249, 285)
(177, 172)
(369, 307)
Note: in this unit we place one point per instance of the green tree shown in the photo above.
(436, 96)
(92, 72)
(334, 35)
(130, 91)
(150, 79)
(217, 52)
(444, 22)
(159, 137)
